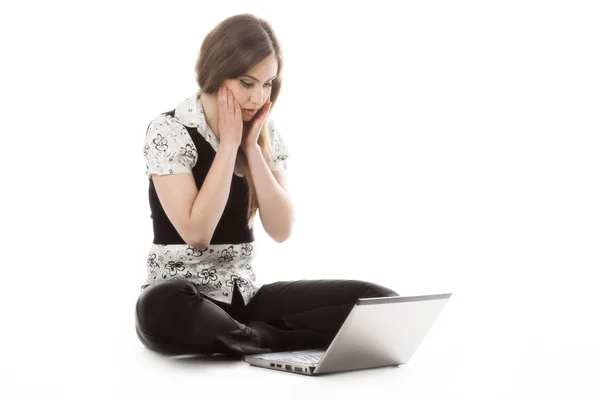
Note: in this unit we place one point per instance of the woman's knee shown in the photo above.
(153, 343)
(161, 304)
(175, 316)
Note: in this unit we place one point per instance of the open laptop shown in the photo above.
(378, 332)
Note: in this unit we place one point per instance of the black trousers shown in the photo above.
(173, 317)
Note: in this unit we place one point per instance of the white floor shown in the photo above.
(481, 347)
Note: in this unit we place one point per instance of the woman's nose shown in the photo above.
(257, 97)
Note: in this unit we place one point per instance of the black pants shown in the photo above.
(173, 317)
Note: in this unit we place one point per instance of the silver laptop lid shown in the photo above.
(382, 331)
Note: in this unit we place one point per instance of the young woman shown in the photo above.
(212, 162)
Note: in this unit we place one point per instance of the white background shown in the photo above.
(435, 147)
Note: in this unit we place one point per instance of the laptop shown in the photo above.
(378, 332)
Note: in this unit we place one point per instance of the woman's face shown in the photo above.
(252, 89)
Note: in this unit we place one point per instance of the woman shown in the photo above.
(211, 161)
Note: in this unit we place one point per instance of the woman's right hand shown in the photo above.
(229, 122)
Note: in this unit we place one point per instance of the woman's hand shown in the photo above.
(252, 128)
(229, 122)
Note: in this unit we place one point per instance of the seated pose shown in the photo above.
(212, 162)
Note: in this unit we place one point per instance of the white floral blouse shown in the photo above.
(169, 149)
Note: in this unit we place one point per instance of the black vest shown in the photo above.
(232, 227)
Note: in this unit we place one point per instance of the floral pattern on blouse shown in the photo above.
(216, 269)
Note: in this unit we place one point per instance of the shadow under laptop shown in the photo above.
(387, 372)
(227, 359)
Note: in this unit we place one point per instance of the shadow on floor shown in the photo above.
(216, 358)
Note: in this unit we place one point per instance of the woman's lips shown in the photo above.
(250, 112)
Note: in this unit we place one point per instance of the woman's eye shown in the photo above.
(249, 85)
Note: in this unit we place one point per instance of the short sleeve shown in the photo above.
(168, 148)
(280, 150)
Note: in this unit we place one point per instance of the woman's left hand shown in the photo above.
(252, 128)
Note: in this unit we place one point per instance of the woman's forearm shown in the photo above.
(275, 206)
(213, 195)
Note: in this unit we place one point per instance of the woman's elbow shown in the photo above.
(197, 242)
(281, 239)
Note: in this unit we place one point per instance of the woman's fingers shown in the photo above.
(229, 108)
(222, 103)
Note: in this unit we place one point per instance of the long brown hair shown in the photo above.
(230, 50)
